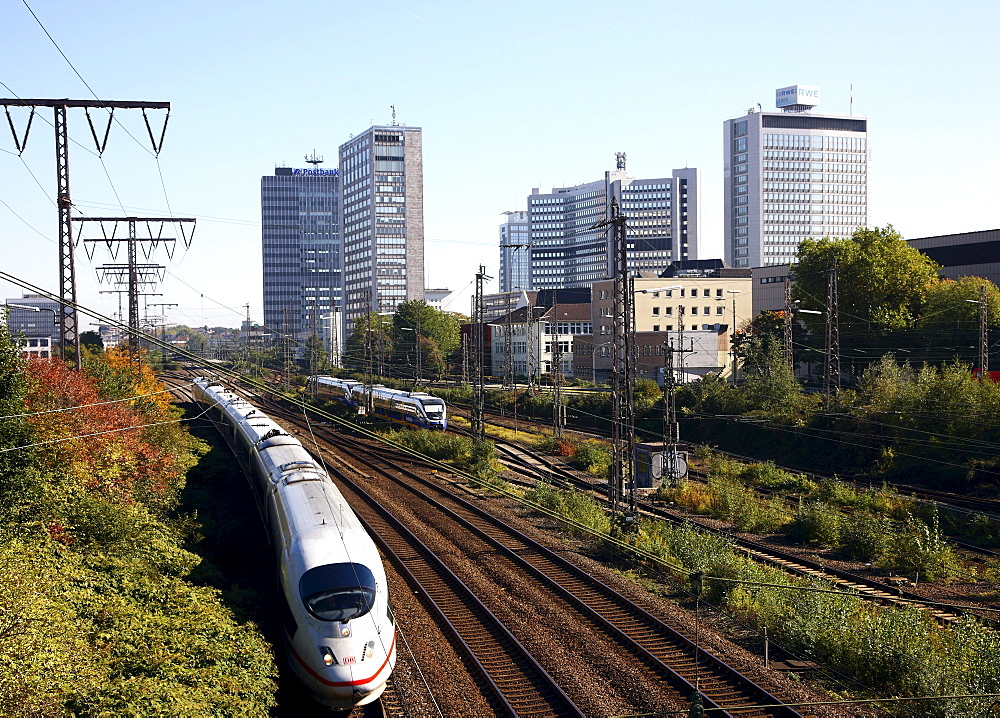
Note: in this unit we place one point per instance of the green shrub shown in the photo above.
(592, 456)
(734, 502)
(575, 506)
(816, 523)
(866, 537)
(766, 475)
(836, 492)
(920, 548)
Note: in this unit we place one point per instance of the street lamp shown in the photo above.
(34, 309)
(593, 364)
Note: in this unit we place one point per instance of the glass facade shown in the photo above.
(301, 246)
(515, 265)
(790, 177)
(566, 250)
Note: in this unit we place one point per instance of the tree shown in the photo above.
(768, 382)
(953, 304)
(197, 342)
(381, 342)
(315, 358)
(92, 340)
(431, 322)
(881, 280)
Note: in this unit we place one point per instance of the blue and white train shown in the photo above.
(412, 408)
(339, 628)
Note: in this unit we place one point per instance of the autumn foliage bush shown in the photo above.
(97, 616)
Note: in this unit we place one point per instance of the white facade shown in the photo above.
(382, 219)
(792, 175)
(533, 342)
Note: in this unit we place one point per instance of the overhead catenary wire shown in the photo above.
(88, 406)
(98, 433)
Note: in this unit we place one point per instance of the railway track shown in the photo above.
(530, 462)
(970, 504)
(663, 649)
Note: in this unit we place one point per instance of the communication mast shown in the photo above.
(314, 159)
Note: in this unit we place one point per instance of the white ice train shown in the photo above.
(339, 628)
(413, 408)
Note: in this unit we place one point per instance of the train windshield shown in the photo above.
(338, 591)
(434, 410)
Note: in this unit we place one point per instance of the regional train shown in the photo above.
(339, 628)
(412, 408)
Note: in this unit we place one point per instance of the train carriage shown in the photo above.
(339, 628)
(412, 408)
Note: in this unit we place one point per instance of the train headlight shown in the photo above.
(345, 631)
(327, 653)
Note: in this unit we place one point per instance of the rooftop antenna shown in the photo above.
(852, 99)
(393, 108)
(620, 161)
(314, 159)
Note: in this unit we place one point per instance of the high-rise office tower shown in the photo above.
(382, 215)
(302, 248)
(791, 175)
(567, 251)
(515, 267)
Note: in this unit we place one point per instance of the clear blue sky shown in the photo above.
(510, 96)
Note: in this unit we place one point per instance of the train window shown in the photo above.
(338, 591)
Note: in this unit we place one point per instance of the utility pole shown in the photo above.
(368, 353)
(67, 269)
(558, 408)
(479, 379)
(622, 369)
(416, 335)
(508, 347)
(121, 319)
(248, 338)
(671, 429)
(531, 344)
(984, 344)
(284, 346)
(831, 372)
(163, 323)
(312, 349)
(789, 358)
(134, 273)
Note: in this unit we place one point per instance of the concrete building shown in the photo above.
(694, 305)
(301, 245)
(769, 287)
(533, 333)
(515, 255)
(568, 251)
(382, 215)
(436, 297)
(792, 175)
(965, 254)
